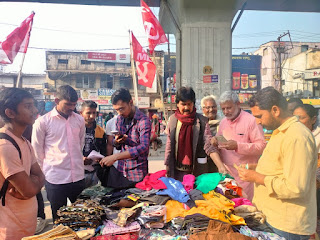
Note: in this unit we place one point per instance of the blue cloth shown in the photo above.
(175, 190)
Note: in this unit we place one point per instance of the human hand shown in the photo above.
(108, 161)
(87, 161)
(120, 139)
(250, 176)
(14, 193)
(222, 169)
(214, 141)
(229, 145)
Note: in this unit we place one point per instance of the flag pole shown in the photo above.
(134, 79)
(160, 89)
(20, 71)
(24, 54)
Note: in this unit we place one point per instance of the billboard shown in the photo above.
(246, 77)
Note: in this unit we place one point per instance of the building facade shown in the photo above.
(96, 75)
(275, 53)
(301, 75)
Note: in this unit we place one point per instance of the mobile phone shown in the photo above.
(221, 139)
(115, 132)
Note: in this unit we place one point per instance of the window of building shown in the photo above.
(85, 62)
(106, 81)
(62, 61)
(86, 81)
(109, 64)
(265, 51)
(264, 71)
(126, 82)
(304, 48)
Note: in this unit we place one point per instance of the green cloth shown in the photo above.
(209, 181)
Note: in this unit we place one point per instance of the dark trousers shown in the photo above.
(58, 193)
(40, 206)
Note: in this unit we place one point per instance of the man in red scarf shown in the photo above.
(188, 141)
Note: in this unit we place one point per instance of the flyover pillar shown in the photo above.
(203, 37)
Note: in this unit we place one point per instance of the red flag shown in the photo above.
(153, 28)
(146, 69)
(17, 41)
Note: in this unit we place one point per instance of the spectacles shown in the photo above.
(208, 108)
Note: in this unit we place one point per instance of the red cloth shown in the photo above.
(17, 41)
(237, 189)
(152, 181)
(152, 27)
(185, 137)
(146, 69)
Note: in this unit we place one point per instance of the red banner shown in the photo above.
(17, 41)
(152, 27)
(146, 69)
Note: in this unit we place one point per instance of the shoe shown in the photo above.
(41, 224)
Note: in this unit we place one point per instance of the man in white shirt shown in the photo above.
(58, 140)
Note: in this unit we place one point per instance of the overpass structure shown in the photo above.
(203, 33)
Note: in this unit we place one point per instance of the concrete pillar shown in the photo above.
(203, 38)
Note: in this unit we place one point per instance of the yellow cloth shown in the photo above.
(216, 206)
(288, 198)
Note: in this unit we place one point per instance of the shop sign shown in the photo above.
(210, 79)
(144, 102)
(109, 57)
(105, 107)
(105, 93)
(311, 74)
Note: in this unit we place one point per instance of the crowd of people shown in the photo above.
(67, 152)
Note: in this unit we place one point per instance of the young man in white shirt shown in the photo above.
(58, 140)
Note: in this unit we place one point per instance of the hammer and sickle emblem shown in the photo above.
(149, 26)
(142, 75)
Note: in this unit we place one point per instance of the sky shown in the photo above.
(105, 29)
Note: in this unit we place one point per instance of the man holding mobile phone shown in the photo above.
(239, 138)
(133, 139)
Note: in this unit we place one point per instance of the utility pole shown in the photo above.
(280, 50)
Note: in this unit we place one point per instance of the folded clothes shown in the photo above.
(126, 236)
(59, 232)
(245, 230)
(142, 193)
(157, 210)
(156, 199)
(111, 228)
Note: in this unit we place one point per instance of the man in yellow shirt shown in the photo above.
(285, 177)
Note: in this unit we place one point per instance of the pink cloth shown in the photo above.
(18, 218)
(251, 143)
(111, 228)
(241, 201)
(188, 182)
(58, 144)
(152, 181)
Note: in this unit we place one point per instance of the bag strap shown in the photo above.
(5, 185)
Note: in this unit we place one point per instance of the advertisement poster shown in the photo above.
(89, 94)
(246, 77)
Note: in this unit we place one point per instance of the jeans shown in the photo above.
(40, 206)
(58, 193)
(289, 236)
(91, 179)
